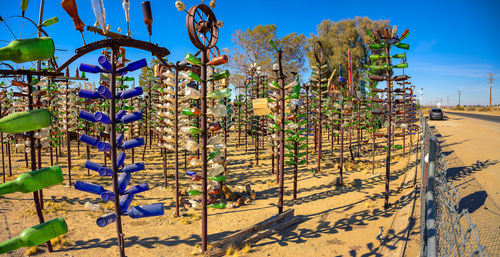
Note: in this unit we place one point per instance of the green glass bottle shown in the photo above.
(217, 205)
(25, 121)
(50, 21)
(220, 75)
(33, 181)
(213, 154)
(271, 42)
(27, 50)
(194, 76)
(36, 235)
(375, 57)
(192, 59)
(370, 33)
(193, 192)
(401, 65)
(217, 178)
(402, 46)
(219, 94)
(24, 5)
(379, 45)
(191, 111)
(194, 131)
(399, 56)
(275, 84)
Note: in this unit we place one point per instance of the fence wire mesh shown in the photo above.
(444, 230)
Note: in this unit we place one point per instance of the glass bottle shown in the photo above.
(27, 50)
(191, 111)
(36, 235)
(190, 58)
(33, 181)
(25, 121)
(402, 46)
(220, 75)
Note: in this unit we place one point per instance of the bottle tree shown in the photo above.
(121, 174)
(294, 140)
(385, 39)
(319, 80)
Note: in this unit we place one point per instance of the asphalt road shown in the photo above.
(492, 118)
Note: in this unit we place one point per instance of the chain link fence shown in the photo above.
(444, 231)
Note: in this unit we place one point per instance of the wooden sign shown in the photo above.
(260, 107)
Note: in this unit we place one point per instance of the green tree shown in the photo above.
(339, 37)
(252, 46)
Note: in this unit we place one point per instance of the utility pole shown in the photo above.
(459, 93)
(447, 101)
(491, 81)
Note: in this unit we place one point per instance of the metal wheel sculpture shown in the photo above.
(319, 52)
(202, 27)
(9, 35)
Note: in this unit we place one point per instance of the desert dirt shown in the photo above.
(333, 221)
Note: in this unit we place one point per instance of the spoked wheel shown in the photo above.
(202, 27)
(319, 52)
(17, 28)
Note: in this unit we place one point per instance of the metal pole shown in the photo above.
(282, 135)
(203, 142)
(389, 117)
(112, 139)
(176, 138)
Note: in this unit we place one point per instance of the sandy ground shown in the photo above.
(334, 221)
(472, 147)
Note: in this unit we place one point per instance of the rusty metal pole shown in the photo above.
(282, 134)
(319, 118)
(1, 142)
(203, 143)
(307, 124)
(257, 127)
(341, 166)
(176, 138)
(295, 161)
(389, 117)
(239, 124)
(404, 113)
(112, 139)
(36, 194)
(68, 138)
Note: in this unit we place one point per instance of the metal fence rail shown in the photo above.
(443, 231)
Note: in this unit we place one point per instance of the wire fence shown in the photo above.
(444, 231)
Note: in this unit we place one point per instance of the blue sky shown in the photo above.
(452, 42)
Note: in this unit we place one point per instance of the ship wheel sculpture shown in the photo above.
(202, 27)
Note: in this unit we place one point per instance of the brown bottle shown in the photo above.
(70, 7)
(400, 78)
(219, 60)
(148, 17)
(214, 127)
(377, 78)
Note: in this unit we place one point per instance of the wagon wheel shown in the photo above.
(202, 27)
(319, 52)
(213, 52)
(8, 34)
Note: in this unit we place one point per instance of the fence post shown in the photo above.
(430, 222)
